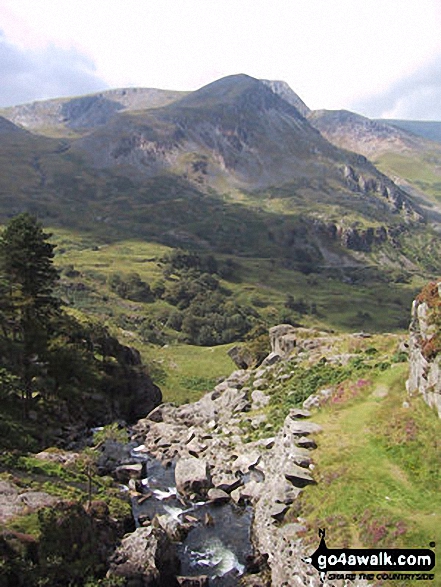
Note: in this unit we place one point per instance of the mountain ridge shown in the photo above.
(234, 153)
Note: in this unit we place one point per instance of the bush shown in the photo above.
(130, 287)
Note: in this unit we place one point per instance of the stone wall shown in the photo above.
(425, 367)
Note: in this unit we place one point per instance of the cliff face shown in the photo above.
(425, 347)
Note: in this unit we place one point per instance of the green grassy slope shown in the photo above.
(345, 299)
(378, 455)
(425, 128)
(378, 470)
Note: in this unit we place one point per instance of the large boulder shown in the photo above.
(145, 558)
(283, 339)
(192, 476)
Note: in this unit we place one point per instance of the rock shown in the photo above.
(10, 505)
(124, 473)
(271, 359)
(259, 399)
(113, 453)
(156, 415)
(255, 563)
(297, 413)
(424, 358)
(58, 456)
(192, 476)
(218, 495)
(145, 558)
(301, 460)
(298, 476)
(13, 503)
(258, 383)
(135, 485)
(227, 482)
(245, 462)
(175, 530)
(248, 492)
(195, 448)
(241, 357)
(301, 428)
(313, 401)
(304, 442)
(37, 499)
(283, 339)
(199, 581)
(278, 511)
(266, 442)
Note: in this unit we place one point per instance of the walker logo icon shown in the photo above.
(396, 560)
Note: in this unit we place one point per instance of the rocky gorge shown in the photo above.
(214, 484)
(207, 450)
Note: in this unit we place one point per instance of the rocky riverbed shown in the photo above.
(204, 442)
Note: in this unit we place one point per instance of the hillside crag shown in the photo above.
(425, 357)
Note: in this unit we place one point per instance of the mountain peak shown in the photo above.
(237, 93)
(225, 90)
(283, 90)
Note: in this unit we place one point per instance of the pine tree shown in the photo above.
(27, 277)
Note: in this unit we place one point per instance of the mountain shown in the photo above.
(430, 130)
(360, 134)
(235, 167)
(237, 134)
(84, 112)
(401, 149)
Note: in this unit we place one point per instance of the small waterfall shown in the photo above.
(218, 542)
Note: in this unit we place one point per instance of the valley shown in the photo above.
(230, 263)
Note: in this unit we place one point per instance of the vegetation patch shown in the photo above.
(377, 470)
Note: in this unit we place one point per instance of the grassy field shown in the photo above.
(423, 172)
(377, 469)
(184, 372)
(339, 299)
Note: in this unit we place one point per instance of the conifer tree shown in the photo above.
(27, 277)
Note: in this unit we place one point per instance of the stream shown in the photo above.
(219, 542)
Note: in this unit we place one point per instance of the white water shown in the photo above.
(165, 493)
(215, 555)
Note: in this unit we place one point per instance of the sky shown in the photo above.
(380, 58)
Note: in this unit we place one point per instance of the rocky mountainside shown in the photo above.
(85, 112)
(236, 157)
(360, 134)
(407, 151)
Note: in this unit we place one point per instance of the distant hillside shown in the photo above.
(413, 161)
(234, 168)
(360, 134)
(427, 129)
(85, 112)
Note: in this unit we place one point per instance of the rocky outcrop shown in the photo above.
(206, 441)
(145, 558)
(425, 347)
(15, 502)
(395, 198)
(192, 476)
(283, 339)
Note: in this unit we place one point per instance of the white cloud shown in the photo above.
(416, 96)
(43, 73)
(332, 53)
